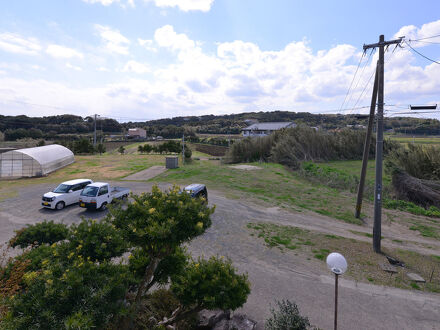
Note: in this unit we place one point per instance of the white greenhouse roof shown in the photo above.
(47, 154)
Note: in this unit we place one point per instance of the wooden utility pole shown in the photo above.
(183, 148)
(366, 148)
(377, 229)
(94, 132)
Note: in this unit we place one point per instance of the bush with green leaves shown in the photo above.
(188, 153)
(286, 317)
(208, 284)
(96, 240)
(158, 223)
(82, 279)
(44, 232)
(73, 281)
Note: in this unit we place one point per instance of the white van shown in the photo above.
(66, 193)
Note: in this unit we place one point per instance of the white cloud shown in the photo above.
(185, 5)
(147, 44)
(136, 67)
(17, 44)
(239, 76)
(129, 3)
(411, 32)
(102, 2)
(168, 38)
(58, 51)
(73, 67)
(113, 40)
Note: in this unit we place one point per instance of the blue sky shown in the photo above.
(146, 59)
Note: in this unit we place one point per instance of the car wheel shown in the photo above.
(60, 205)
(103, 206)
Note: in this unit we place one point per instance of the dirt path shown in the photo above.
(273, 274)
(146, 174)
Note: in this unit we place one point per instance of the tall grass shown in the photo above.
(292, 146)
(419, 161)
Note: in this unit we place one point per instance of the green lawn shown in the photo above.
(272, 184)
(416, 140)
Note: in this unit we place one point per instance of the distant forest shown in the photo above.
(69, 127)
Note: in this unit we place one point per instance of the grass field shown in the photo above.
(364, 262)
(416, 140)
(272, 183)
(105, 167)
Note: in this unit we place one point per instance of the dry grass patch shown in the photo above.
(106, 167)
(364, 263)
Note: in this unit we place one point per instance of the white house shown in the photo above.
(263, 129)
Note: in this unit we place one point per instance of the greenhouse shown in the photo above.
(36, 161)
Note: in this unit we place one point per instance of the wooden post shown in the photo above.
(366, 149)
(377, 229)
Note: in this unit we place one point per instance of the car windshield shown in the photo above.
(89, 191)
(62, 188)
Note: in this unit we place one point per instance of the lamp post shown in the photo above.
(338, 265)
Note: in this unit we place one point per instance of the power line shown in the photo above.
(421, 54)
(369, 81)
(360, 76)
(354, 76)
(438, 35)
(426, 42)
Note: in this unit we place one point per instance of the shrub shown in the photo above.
(96, 240)
(158, 223)
(292, 146)
(40, 233)
(211, 284)
(286, 317)
(188, 153)
(419, 161)
(100, 148)
(121, 150)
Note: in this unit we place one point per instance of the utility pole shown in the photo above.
(377, 229)
(94, 132)
(366, 148)
(183, 148)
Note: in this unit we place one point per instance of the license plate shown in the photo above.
(46, 203)
(82, 205)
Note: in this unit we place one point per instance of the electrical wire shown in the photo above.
(421, 54)
(426, 42)
(354, 76)
(361, 75)
(369, 81)
(438, 35)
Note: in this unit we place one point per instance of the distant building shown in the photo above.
(263, 129)
(137, 133)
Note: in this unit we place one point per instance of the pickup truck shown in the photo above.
(64, 194)
(98, 195)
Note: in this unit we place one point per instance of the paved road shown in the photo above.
(273, 274)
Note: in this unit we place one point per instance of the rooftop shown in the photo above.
(269, 126)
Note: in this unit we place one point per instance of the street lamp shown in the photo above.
(338, 265)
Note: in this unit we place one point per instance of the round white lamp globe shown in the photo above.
(337, 263)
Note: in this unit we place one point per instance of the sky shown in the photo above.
(135, 60)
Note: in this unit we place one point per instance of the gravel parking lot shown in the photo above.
(273, 274)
